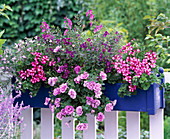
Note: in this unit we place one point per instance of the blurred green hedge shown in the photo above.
(129, 13)
(27, 15)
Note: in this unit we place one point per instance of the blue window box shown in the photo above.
(35, 102)
(145, 101)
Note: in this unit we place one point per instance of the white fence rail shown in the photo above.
(111, 124)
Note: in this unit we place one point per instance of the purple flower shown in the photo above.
(63, 112)
(88, 39)
(59, 115)
(60, 69)
(97, 87)
(103, 75)
(57, 102)
(63, 87)
(95, 103)
(80, 126)
(109, 107)
(47, 100)
(98, 94)
(77, 79)
(69, 109)
(85, 83)
(56, 91)
(79, 110)
(89, 100)
(85, 126)
(77, 69)
(85, 75)
(72, 93)
(91, 85)
(52, 81)
(100, 117)
(105, 34)
(56, 49)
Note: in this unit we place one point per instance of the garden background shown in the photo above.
(130, 17)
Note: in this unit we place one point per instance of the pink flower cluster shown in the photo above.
(85, 75)
(92, 102)
(82, 126)
(96, 87)
(68, 110)
(90, 12)
(132, 64)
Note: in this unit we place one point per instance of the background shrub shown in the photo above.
(27, 16)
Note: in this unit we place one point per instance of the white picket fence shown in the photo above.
(111, 124)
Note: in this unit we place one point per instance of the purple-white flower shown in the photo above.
(69, 109)
(57, 102)
(100, 117)
(109, 107)
(103, 75)
(63, 87)
(95, 103)
(56, 91)
(79, 110)
(52, 81)
(85, 75)
(80, 126)
(47, 100)
(59, 115)
(91, 85)
(72, 93)
(56, 49)
(98, 94)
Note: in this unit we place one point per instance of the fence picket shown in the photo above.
(111, 125)
(47, 124)
(68, 132)
(156, 126)
(28, 121)
(90, 133)
(133, 125)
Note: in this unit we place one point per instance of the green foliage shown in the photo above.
(158, 42)
(28, 15)
(128, 12)
(2, 9)
(167, 127)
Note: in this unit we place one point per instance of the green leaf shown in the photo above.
(2, 41)
(1, 33)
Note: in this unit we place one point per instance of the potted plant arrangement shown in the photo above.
(74, 72)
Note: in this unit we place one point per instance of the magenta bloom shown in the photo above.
(72, 93)
(59, 115)
(100, 117)
(85, 126)
(103, 75)
(69, 109)
(63, 87)
(77, 69)
(79, 110)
